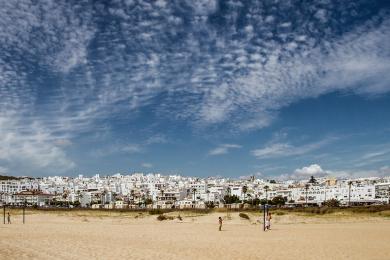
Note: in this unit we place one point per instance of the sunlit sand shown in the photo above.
(71, 235)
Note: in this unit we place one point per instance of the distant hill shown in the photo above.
(3, 177)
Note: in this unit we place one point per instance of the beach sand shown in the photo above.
(104, 235)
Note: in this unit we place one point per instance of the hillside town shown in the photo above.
(147, 191)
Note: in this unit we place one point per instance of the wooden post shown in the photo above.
(264, 209)
(24, 210)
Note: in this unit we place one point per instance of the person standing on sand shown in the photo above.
(9, 218)
(268, 221)
(220, 223)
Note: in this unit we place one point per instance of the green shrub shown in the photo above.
(332, 203)
(210, 205)
(243, 215)
(148, 201)
(156, 212)
(278, 200)
(161, 218)
(231, 199)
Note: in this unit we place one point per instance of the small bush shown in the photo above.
(280, 213)
(179, 218)
(243, 215)
(326, 210)
(161, 218)
(315, 210)
(155, 212)
(210, 205)
(332, 203)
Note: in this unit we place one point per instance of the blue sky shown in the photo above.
(276, 89)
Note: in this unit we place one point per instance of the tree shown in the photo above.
(194, 191)
(103, 196)
(210, 204)
(333, 203)
(143, 197)
(76, 204)
(312, 180)
(255, 201)
(349, 193)
(263, 201)
(278, 200)
(65, 196)
(97, 198)
(266, 188)
(244, 190)
(306, 189)
(148, 201)
(231, 199)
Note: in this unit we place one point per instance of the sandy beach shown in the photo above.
(85, 235)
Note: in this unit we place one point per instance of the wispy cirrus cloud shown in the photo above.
(35, 148)
(67, 66)
(156, 139)
(3, 170)
(276, 150)
(375, 154)
(224, 149)
(117, 149)
(147, 165)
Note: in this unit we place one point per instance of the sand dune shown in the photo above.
(84, 236)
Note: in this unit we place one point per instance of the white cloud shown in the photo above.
(32, 147)
(307, 171)
(245, 83)
(132, 148)
(224, 149)
(3, 170)
(286, 24)
(275, 150)
(203, 7)
(117, 148)
(156, 139)
(316, 170)
(63, 142)
(236, 74)
(273, 80)
(321, 15)
(383, 171)
(256, 175)
(147, 165)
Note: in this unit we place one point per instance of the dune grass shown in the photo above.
(367, 211)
